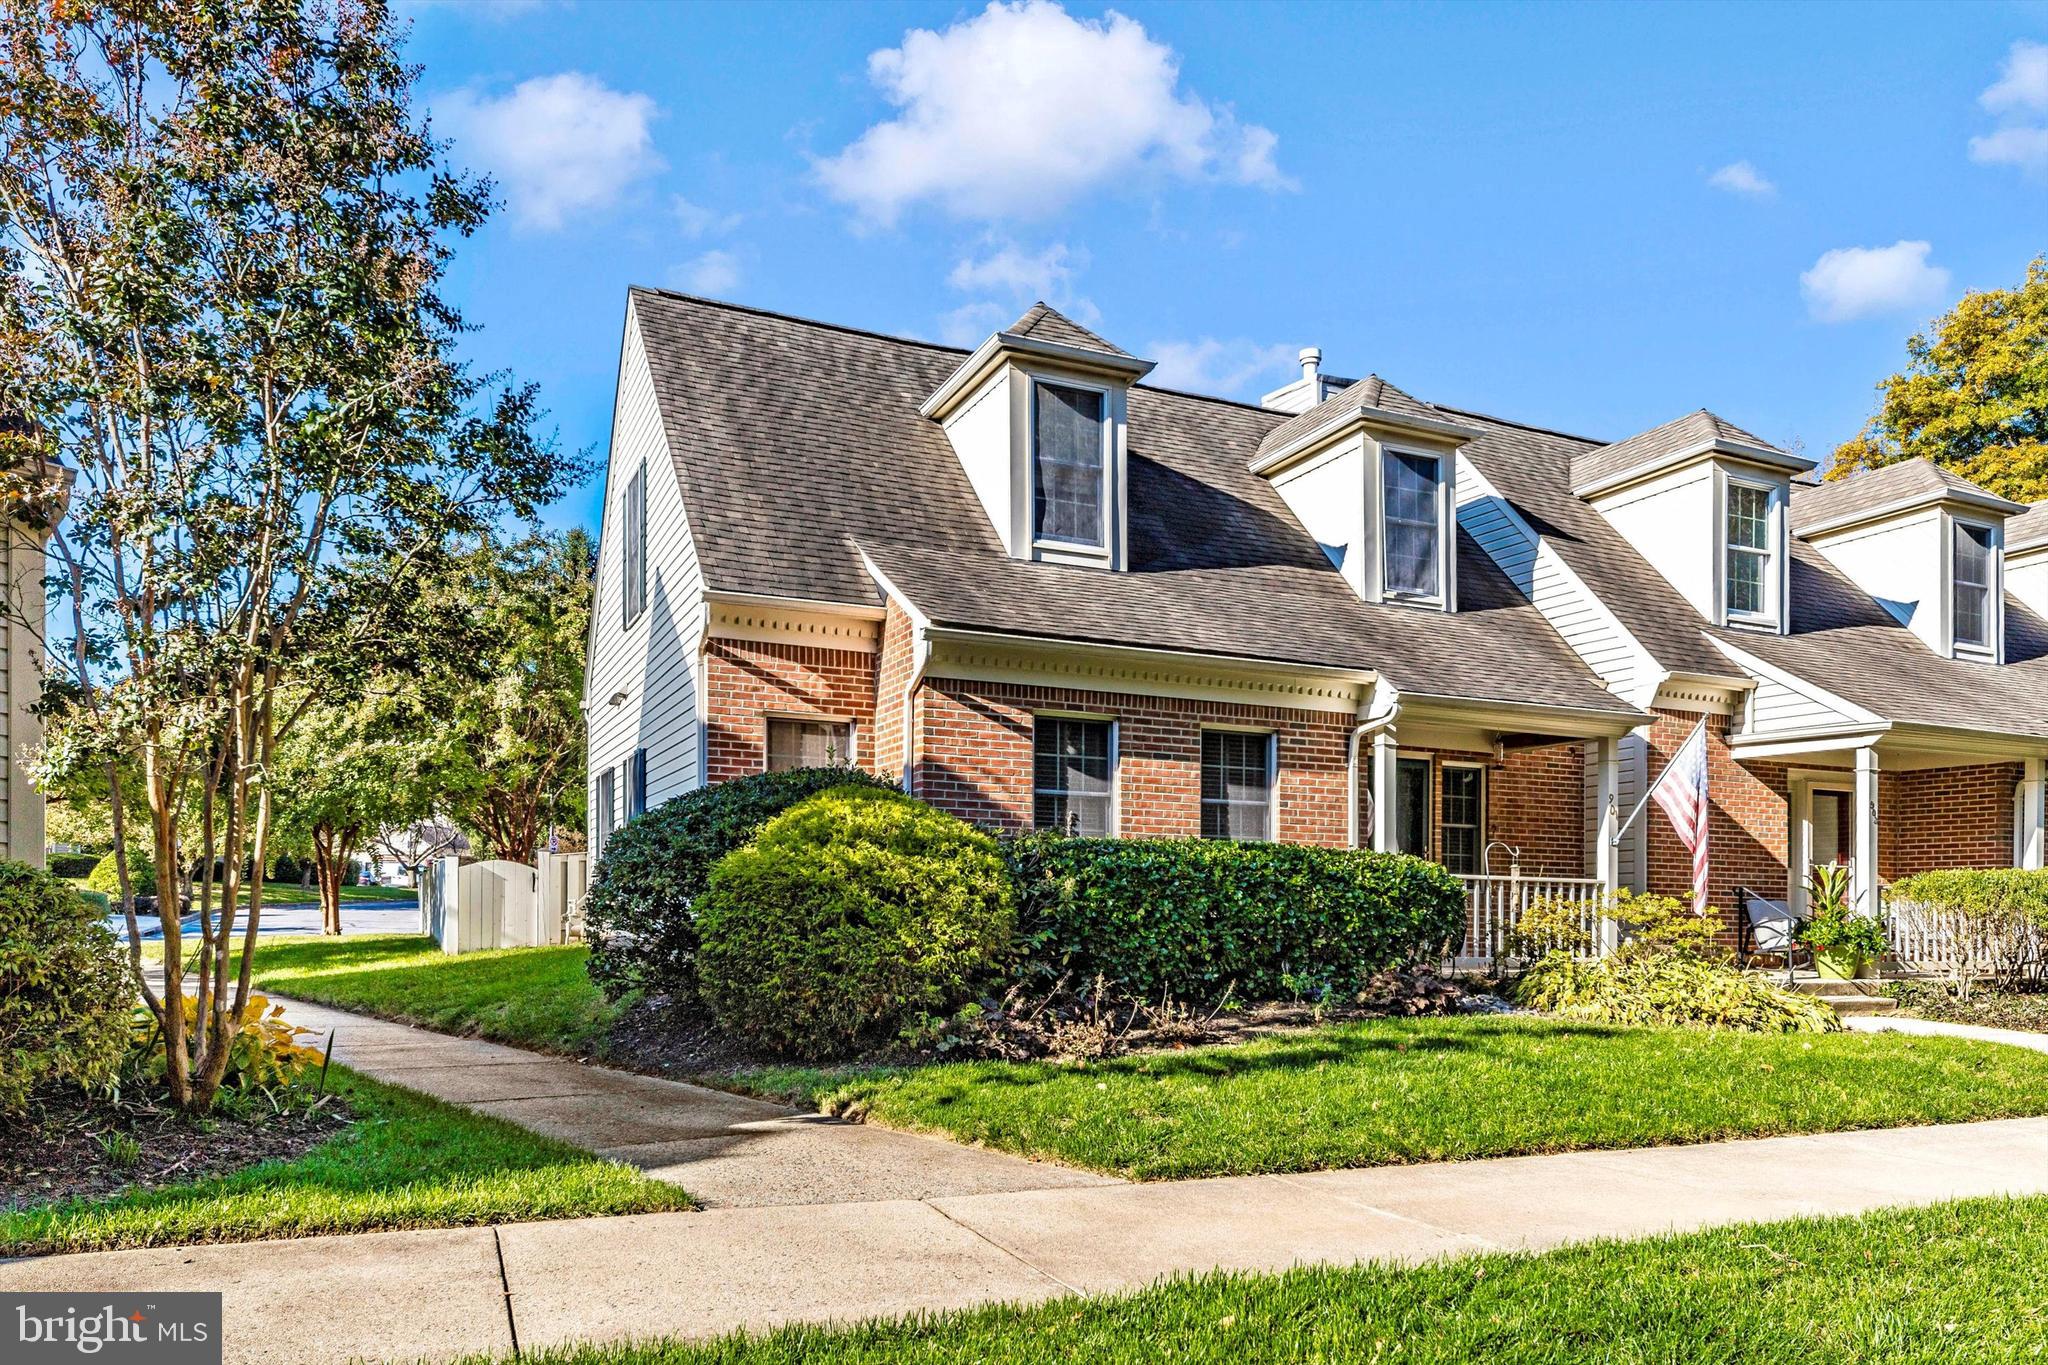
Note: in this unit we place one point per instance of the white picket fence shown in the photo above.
(1494, 905)
(1925, 939)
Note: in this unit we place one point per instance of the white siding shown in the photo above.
(1672, 522)
(1327, 492)
(1571, 607)
(2026, 577)
(979, 430)
(1775, 707)
(652, 661)
(1899, 562)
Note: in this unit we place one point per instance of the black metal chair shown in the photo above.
(1767, 928)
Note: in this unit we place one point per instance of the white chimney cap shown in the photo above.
(1311, 361)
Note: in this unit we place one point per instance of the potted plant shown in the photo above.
(1844, 942)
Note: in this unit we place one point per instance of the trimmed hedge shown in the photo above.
(850, 917)
(73, 864)
(66, 1000)
(637, 914)
(1191, 917)
(1993, 892)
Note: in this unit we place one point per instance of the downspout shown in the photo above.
(1365, 727)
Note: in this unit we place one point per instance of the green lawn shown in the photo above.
(534, 997)
(414, 1162)
(1953, 1284)
(1393, 1091)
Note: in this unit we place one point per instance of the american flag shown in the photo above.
(1682, 793)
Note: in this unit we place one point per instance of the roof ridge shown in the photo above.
(1522, 426)
(754, 311)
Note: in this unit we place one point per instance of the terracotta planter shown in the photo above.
(1839, 964)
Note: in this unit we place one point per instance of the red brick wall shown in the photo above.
(975, 756)
(746, 681)
(885, 757)
(1537, 803)
(1946, 817)
(1746, 828)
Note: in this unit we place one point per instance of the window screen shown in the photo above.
(637, 805)
(1412, 498)
(808, 744)
(1749, 548)
(1464, 818)
(607, 807)
(1237, 785)
(1071, 775)
(1067, 465)
(633, 586)
(1411, 806)
(1973, 585)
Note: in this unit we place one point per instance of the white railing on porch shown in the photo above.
(1494, 905)
(1924, 939)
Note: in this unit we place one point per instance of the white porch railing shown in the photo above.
(1494, 905)
(1925, 939)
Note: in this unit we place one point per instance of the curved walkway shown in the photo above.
(1896, 1023)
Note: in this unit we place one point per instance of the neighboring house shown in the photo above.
(1042, 593)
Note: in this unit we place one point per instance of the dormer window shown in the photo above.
(1975, 575)
(1069, 464)
(1413, 511)
(1751, 554)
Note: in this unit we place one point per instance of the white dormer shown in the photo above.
(1372, 474)
(1039, 416)
(2026, 557)
(1928, 545)
(1706, 503)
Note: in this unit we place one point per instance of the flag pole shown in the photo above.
(1621, 830)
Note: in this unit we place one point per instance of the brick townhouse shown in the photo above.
(1042, 593)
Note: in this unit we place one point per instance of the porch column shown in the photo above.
(1607, 815)
(2033, 849)
(1385, 749)
(1863, 843)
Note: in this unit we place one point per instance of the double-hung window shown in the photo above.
(607, 807)
(1412, 487)
(1973, 582)
(1072, 767)
(808, 744)
(636, 805)
(1068, 473)
(1237, 785)
(1464, 817)
(633, 579)
(1749, 551)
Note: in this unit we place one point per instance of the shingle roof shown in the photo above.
(785, 484)
(2028, 529)
(1693, 431)
(1871, 490)
(1047, 323)
(1369, 392)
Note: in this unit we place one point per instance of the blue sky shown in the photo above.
(1591, 217)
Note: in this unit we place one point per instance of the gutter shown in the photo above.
(1370, 725)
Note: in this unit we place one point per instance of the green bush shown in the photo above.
(1668, 989)
(851, 916)
(65, 996)
(105, 876)
(1189, 918)
(73, 864)
(638, 915)
(1996, 892)
(2001, 914)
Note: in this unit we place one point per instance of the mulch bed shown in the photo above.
(2025, 1008)
(70, 1149)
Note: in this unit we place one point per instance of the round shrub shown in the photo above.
(1663, 989)
(849, 917)
(637, 916)
(105, 876)
(69, 865)
(67, 1001)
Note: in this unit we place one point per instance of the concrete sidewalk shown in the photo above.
(725, 1149)
(399, 1296)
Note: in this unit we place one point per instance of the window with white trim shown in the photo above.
(1975, 571)
(808, 744)
(607, 808)
(1237, 785)
(1464, 817)
(1068, 464)
(1072, 768)
(633, 580)
(1412, 510)
(1750, 551)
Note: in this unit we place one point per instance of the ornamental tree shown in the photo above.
(223, 231)
(1973, 397)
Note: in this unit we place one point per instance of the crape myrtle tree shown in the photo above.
(1974, 395)
(223, 230)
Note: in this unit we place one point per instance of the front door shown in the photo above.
(1827, 835)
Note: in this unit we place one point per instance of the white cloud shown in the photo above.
(1213, 366)
(1022, 108)
(560, 145)
(1010, 269)
(2026, 148)
(697, 221)
(714, 272)
(1739, 177)
(2022, 84)
(1863, 281)
(971, 323)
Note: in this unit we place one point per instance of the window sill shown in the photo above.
(1762, 625)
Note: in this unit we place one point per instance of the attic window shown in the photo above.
(1067, 464)
(1413, 486)
(1749, 550)
(1973, 585)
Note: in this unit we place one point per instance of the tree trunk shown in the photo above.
(331, 850)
